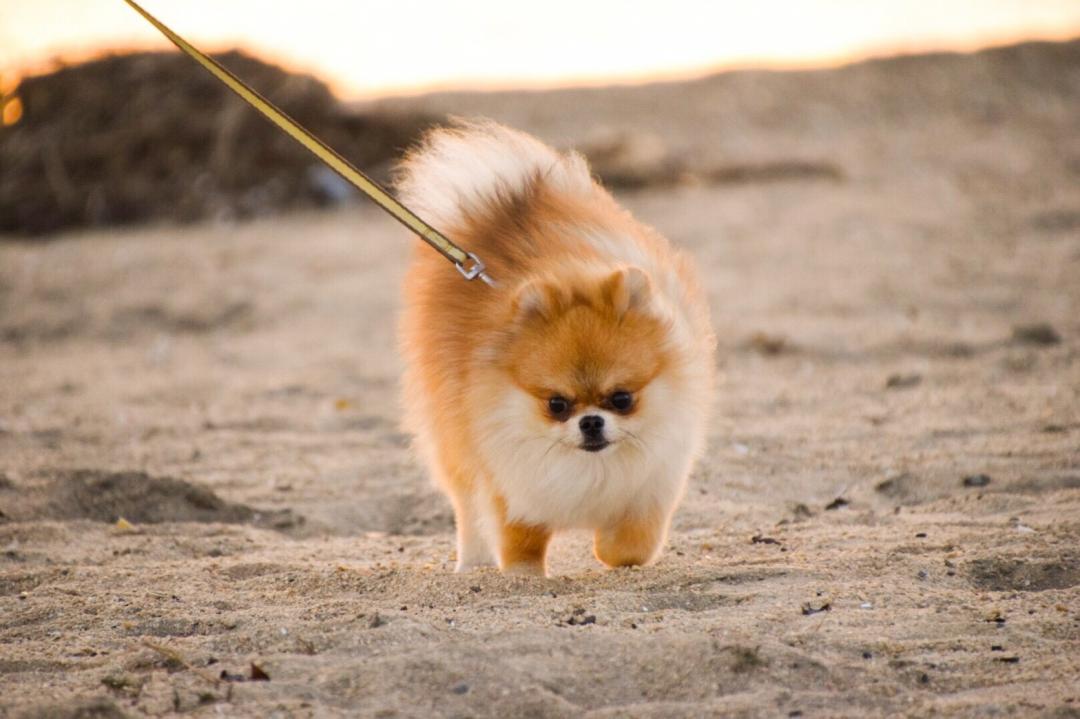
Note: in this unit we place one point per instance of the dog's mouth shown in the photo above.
(594, 445)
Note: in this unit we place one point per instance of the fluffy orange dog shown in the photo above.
(573, 395)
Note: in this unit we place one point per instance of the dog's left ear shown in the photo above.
(627, 289)
(538, 298)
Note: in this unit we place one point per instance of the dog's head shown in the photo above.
(584, 353)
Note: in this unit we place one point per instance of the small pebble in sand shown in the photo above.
(460, 688)
(1039, 333)
(837, 503)
(902, 381)
(758, 539)
(976, 480)
(578, 620)
(768, 344)
(867, 655)
(808, 609)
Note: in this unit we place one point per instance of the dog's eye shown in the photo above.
(559, 407)
(622, 401)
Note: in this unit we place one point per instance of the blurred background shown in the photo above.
(104, 123)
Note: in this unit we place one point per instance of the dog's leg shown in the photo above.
(473, 548)
(523, 548)
(635, 539)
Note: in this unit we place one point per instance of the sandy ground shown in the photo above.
(230, 390)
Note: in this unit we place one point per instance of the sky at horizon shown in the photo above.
(370, 49)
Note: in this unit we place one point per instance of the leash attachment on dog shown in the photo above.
(469, 265)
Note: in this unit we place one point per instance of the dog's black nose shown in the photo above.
(592, 426)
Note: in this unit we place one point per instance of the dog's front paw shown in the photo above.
(525, 569)
(631, 542)
(465, 564)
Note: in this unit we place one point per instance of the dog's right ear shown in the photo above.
(627, 289)
(538, 298)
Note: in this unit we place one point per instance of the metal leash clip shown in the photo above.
(474, 270)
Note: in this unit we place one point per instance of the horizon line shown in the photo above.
(10, 78)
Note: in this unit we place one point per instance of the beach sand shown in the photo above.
(887, 328)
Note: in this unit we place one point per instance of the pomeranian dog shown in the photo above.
(575, 393)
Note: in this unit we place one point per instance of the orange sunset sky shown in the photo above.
(367, 49)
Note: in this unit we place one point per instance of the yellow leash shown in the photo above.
(468, 264)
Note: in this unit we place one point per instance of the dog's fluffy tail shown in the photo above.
(461, 170)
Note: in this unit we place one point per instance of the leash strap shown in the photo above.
(468, 264)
